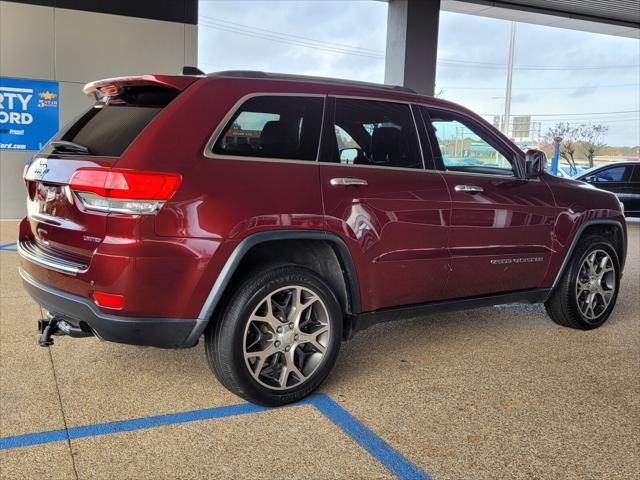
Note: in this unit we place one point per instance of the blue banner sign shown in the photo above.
(28, 113)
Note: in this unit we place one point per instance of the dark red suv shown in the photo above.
(276, 215)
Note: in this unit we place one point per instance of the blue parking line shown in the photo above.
(7, 246)
(108, 428)
(377, 448)
(390, 458)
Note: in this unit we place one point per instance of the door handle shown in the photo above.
(348, 182)
(468, 188)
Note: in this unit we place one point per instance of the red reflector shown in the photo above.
(126, 184)
(108, 300)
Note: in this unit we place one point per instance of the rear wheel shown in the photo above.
(278, 336)
(588, 289)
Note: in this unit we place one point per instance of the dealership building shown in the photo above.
(43, 65)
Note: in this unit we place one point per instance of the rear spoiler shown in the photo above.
(110, 86)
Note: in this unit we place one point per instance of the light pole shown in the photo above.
(507, 100)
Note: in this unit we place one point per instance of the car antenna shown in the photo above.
(187, 70)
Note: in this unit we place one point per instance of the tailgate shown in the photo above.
(58, 223)
(61, 226)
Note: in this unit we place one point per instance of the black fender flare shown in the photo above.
(221, 283)
(576, 239)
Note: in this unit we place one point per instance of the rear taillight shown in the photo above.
(123, 191)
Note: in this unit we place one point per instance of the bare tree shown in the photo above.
(570, 137)
(592, 139)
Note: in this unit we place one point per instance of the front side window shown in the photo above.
(369, 132)
(286, 127)
(615, 174)
(462, 149)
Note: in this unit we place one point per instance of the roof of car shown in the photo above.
(256, 74)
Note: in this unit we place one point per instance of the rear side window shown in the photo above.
(614, 174)
(107, 129)
(286, 127)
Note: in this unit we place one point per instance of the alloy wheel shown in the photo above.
(286, 337)
(595, 284)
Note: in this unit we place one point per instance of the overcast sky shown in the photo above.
(560, 74)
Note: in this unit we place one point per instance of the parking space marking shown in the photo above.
(9, 247)
(381, 451)
(28, 439)
(376, 446)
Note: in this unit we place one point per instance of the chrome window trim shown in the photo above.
(262, 159)
(478, 174)
(208, 149)
(377, 167)
(490, 175)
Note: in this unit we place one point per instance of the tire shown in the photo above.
(569, 303)
(268, 361)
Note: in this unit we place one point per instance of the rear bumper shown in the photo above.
(155, 332)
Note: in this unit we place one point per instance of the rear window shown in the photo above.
(107, 129)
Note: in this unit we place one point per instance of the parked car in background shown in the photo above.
(621, 178)
(567, 171)
(276, 215)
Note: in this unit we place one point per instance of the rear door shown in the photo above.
(390, 210)
(501, 223)
(60, 225)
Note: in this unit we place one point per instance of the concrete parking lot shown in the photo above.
(490, 393)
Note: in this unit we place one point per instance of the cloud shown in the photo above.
(584, 91)
(346, 39)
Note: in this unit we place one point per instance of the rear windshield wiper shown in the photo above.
(64, 146)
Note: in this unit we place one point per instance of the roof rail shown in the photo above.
(288, 76)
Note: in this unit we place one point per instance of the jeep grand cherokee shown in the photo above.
(276, 215)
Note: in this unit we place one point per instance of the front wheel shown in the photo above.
(278, 337)
(588, 289)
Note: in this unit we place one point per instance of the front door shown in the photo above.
(501, 223)
(379, 198)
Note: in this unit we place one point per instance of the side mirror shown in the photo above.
(348, 155)
(535, 163)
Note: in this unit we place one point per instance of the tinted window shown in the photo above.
(463, 149)
(107, 129)
(367, 132)
(615, 174)
(274, 127)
